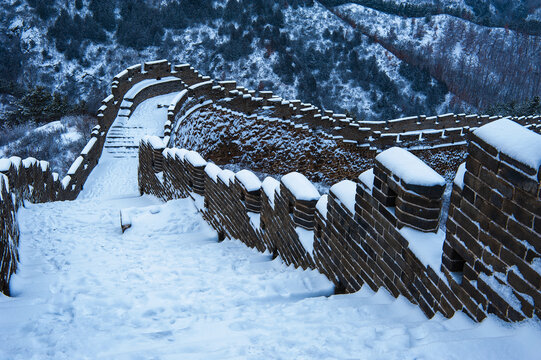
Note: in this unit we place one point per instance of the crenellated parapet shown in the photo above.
(494, 226)
(385, 229)
(414, 133)
(34, 180)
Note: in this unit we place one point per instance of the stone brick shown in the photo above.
(527, 201)
(491, 212)
(527, 272)
(473, 165)
(466, 223)
(471, 242)
(507, 240)
(483, 157)
(522, 167)
(518, 178)
(484, 145)
(522, 233)
(522, 215)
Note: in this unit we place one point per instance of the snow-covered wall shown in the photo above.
(416, 132)
(494, 227)
(382, 231)
(33, 180)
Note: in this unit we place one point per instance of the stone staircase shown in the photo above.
(123, 139)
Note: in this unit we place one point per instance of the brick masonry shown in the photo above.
(482, 263)
(490, 252)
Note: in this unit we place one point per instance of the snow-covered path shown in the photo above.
(116, 173)
(166, 289)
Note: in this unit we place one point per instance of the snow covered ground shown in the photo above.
(116, 173)
(166, 289)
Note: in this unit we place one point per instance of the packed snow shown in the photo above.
(300, 186)
(459, 178)
(249, 180)
(513, 140)
(167, 289)
(345, 192)
(409, 167)
(118, 163)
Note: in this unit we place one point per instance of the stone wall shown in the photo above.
(494, 228)
(382, 230)
(33, 180)
(416, 132)
(9, 238)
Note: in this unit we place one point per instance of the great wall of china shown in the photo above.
(382, 230)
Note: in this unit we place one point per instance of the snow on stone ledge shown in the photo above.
(226, 176)
(249, 180)
(459, 178)
(321, 205)
(212, 170)
(409, 167)
(153, 141)
(29, 162)
(194, 158)
(269, 186)
(367, 178)
(300, 187)
(179, 153)
(16, 161)
(428, 247)
(44, 165)
(5, 164)
(76, 164)
(306, 237)
(89, 146)
(513, 140)
(345, 192)
(65, 182)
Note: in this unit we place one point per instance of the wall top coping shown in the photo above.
(195, 159)
(248, 180)
(226, 176)
(345, 191)
(367, 178)
(153, 141)
(16, 161)
(212, 170)
(409, 168)
(155, 62)
(29, 161)
(269, 186)
(513, 140)
(135, 89)
(300, 187)
(76, 164)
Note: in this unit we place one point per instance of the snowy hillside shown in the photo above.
(298, 49)
(478, 63)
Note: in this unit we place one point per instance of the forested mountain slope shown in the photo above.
(374, 59)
